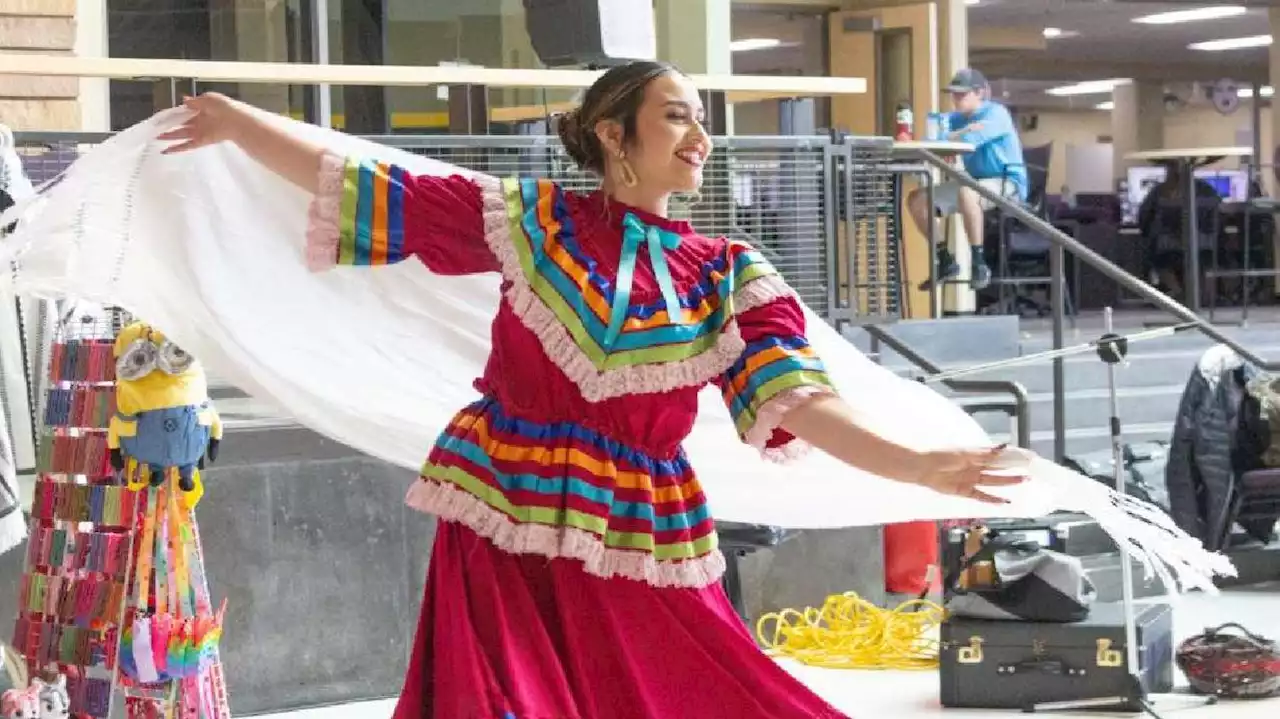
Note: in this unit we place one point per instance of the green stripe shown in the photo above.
(570, 320)
(552, 517)
(515, 213)
(773, 388)
(527, 515)
(347, 219)
(753, 271)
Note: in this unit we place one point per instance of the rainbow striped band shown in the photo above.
(561, 489)
(371, 224)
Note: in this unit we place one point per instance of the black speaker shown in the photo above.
(592, 33)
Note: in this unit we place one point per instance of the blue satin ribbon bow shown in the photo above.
(634, 233)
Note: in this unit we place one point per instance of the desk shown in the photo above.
(1191, 158)
(958, 298)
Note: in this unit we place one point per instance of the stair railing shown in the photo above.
(1062, 243)
(1018, 407)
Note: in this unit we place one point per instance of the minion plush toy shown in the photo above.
(164, 421)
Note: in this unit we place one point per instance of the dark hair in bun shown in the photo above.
(616, 95)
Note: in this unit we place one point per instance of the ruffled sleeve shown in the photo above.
(777, 370)
(368, 213)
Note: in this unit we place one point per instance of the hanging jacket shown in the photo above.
(1205, 452)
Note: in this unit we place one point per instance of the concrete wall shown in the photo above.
(38, 103)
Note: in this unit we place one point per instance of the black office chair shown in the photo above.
(1254, 504)
(1171, 246)
(1021, 255)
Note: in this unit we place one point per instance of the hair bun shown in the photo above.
(579, 142)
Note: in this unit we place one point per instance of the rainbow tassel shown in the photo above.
(161, 631)
(128, 666)
(146, 668)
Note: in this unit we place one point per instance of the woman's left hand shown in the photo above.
(964, 473)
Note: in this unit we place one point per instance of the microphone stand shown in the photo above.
(1112, 350)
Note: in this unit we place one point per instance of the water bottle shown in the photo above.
(935, 125)
(905, 121)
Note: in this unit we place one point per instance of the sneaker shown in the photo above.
(980, 278)
(946, 273)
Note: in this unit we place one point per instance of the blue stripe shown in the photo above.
(568, 290)
(645, 511)
(559, 486)
(554, 434)
(395, 215)
(564, 286)
(746, 259)
(569, 240)
(524, 482)
(792, 343)
(364, 214)
(745, 399)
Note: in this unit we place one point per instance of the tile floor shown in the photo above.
(913, 695)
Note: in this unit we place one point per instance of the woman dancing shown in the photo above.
(574, 572)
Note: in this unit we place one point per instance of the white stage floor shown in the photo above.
(914, 695)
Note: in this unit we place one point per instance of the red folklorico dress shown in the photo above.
(575, 569)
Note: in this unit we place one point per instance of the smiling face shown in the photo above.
(667, 146)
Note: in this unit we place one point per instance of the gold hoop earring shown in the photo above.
(629, 178)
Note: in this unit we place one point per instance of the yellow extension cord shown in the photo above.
(849, 632)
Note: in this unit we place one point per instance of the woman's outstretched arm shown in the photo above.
(827, 423)
(218, 118)
(365, 213)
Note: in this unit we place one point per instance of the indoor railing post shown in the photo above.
(1057, 280)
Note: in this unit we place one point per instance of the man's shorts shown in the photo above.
(946, 195)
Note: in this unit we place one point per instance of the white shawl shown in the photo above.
(209, 246)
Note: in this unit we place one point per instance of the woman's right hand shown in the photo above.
(217, 118)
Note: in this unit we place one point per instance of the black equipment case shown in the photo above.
(991, 664)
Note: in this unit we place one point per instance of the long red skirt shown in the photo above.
(506, 636)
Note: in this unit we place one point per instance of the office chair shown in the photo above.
(1022, 255)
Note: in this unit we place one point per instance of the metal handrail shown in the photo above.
(1019, 406)
(1063, 242)
(1101, 264)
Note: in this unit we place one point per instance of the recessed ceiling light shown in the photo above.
(971, 3)
(1267, 91)
(1232, 43)
(1092, 87)
(1052, 32)
(1200, 14)
(1108, 105)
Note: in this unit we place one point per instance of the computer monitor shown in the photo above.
(1231, 186)
(1140, 181)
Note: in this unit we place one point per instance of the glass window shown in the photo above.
(246, 30)
(770, 42)
(428, 33)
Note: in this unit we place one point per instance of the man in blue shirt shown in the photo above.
(996, 162)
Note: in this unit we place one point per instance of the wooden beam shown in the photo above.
(39, 8)
(388, 75)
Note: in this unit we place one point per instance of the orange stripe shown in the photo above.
(559, 456)
(378, 245)
(761, 359)
(576, 272)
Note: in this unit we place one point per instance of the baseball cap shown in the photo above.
(967, 80)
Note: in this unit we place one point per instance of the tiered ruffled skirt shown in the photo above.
(573, 577)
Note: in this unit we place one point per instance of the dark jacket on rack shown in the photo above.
(1212, 441)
